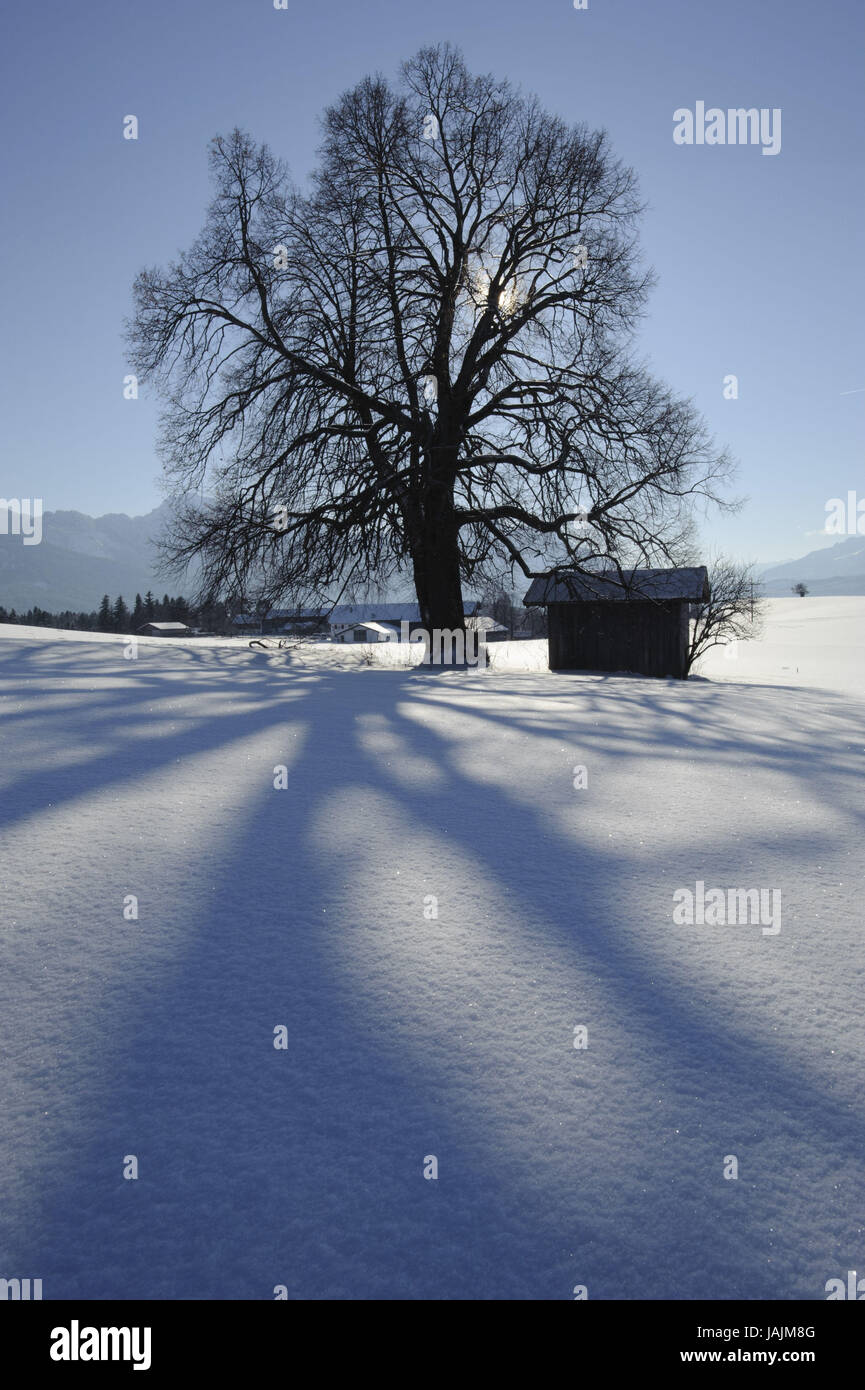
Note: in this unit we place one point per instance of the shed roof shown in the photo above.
(568, 586)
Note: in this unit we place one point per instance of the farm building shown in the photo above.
(344, 623)
(164, 630)
(367, 632)
(392, 630)
(297, 622)
(636, 621)
(382, 621)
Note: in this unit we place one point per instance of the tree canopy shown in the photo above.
(423, 362)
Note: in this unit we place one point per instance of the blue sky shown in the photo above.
(759, 258)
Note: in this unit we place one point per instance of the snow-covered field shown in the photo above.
(815, 642)
(430, 908)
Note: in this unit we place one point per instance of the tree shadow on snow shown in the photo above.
(303, 1166)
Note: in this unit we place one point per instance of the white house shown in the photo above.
(367, 632)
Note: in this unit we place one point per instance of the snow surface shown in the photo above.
(807, 641)
(449, 1036)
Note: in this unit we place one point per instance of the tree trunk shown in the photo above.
(435, 559)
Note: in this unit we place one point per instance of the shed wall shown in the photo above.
(628, 635)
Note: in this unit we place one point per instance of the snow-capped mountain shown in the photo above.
(836, 569)
(80, 558)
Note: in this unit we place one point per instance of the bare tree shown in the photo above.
(734, 612)
(800, 589)
(498, 602)
(424, 362)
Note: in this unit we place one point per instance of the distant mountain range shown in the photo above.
(837, 569)
(80, 558)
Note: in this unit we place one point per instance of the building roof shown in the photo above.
(569, 586)
(483, 622)
(164, 627)
(371, 627)
(297, 615)
(349, 613)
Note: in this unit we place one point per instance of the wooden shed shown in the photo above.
(606, 621)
